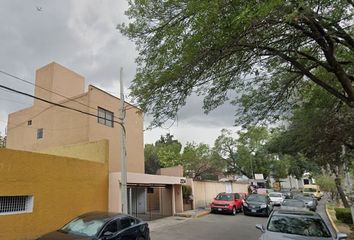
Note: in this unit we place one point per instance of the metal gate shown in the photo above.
(149, 202)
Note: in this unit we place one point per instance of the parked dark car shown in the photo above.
(227, 202)
(101, 226)
(257, 204)
(310, 202)
(296, 225)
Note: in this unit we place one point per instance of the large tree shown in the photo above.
(246, 154)
(322, 130)
(258, 54)
(152, 163)
(200, 162)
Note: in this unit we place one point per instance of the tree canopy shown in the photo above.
(2, 141)
(199, 161)
(256, 54)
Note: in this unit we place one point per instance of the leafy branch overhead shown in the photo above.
(256, 54)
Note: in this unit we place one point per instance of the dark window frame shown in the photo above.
(105, 117)
(40, 133)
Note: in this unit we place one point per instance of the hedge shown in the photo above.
(344, 215)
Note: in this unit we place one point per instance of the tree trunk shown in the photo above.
(341, 192)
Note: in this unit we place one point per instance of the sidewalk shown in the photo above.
(337, 225)
(179, 218)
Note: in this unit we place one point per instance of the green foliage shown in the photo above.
(168, 151)
(344, 215)
(2, 141)
(152, 163)
(249, 154)
(280, 169)
(258, 55)
(318, 130)
(200, 162)
(326, 183)
(186, 191)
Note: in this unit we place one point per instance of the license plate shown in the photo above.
(253, 210)
(219, 209)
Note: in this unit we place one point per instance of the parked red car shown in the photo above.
(227, 202)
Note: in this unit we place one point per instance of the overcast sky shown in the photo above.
(82, 35)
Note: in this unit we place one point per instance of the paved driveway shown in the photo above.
(212, 227)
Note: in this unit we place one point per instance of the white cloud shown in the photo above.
(82, 36)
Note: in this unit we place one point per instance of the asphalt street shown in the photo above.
(212, 227)
(220, 226)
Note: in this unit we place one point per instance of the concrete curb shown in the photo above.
(193, 214)
(202, 214)
(330, 219)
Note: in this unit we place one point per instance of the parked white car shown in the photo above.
(276, 198)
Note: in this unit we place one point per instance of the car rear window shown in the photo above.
(298, 225)
(294, 203)
(224, 197)
(275, 194)
(256, 198)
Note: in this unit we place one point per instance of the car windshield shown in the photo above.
(224, 197)
(273, 194)
(82, 227)
(256, 198)
(294, 203)
(298, 225)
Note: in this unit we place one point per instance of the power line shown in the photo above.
(28, 82)
(58, 105)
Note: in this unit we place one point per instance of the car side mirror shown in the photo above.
(341, 236)
(260, 227)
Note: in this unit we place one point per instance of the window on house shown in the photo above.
(105, 117)
(29, 122)
(15, 204)
(39, 133)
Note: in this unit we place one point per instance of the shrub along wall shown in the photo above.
(344, 215)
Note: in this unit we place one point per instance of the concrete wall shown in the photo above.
(240, 187)
(94, 151)
(289, 182)
(178, 198)
(60, 126)
(166, 201)
(176, 171)
(134, 131)
(205, 191)
(58, 79)
(62, 188)
(153, 200)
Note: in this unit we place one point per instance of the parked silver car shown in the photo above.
(310, 202)
(293, 204)
(296, 225)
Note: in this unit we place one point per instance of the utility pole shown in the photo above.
(123, 163)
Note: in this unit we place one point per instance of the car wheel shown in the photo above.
(234, 211)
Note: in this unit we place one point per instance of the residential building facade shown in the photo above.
(44, 125)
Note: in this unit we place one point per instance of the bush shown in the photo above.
(186, 191)
(344, 215)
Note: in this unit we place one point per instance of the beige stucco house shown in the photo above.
(89, 116)
(44, 125)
